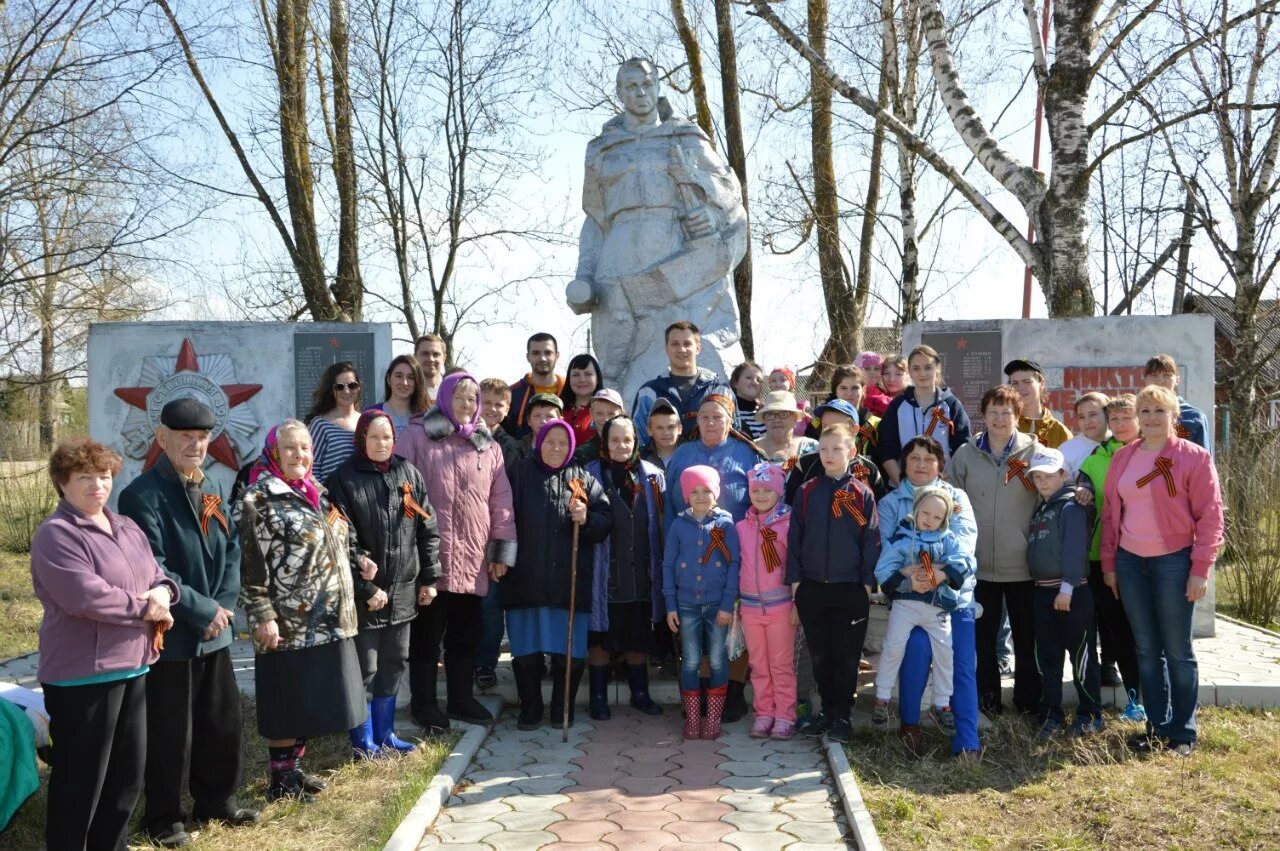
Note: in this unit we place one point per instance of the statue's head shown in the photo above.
(638, 87)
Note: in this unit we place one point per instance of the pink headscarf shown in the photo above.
(269, 462)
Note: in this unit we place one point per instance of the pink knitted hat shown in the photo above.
(700, 474)
(767, 475)
(867, 360)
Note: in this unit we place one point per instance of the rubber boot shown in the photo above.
(599, 710)
(558, 698)
(692, 718)
(459, 677)
(638, 679)
(735, 704)
(715, 711)
(528, 673)
(383, 710)
(704, 685)
(363, 745)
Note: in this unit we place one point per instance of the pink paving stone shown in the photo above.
(699, 831)
(641, 840)
(583, 846)
(582, 831)
(704, 775)
(642, 802)
(596, 779)
(699, 811)
(652, 752)
(642, 819)
(646, 785)
(579, 794)
(603, 762)
(588, 810)
(705, 846)
(700, 794)
(649, 769)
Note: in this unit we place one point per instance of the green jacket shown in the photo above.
(206, 567)
(1095, 466)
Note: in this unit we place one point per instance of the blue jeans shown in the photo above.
(1154, 593)
(913, 676)
(699, 635)
(491, 629)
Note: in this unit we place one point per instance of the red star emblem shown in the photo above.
(221, 448)
(962, 343)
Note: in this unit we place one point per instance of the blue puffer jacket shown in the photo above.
(948, 555)
(692, 574)
(897, 506)
(654, 484)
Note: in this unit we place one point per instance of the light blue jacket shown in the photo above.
(946, 552)
(898, 506)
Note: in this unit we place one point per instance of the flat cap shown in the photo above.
(1021, 365)
(187, 414)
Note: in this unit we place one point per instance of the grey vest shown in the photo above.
(1044, 543)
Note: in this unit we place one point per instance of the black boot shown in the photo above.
(424, 707)
(735, 704)
(286, 779)
(459, 676)
(558, 699)
(599, 710)
(638, 679)
(528, 674)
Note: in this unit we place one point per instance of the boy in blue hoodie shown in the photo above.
(700, 587)
(922, 572)
(1063, 612)
(832, 548)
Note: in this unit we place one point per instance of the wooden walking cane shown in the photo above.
(577, 490)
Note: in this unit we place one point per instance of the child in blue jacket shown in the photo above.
(922, 571)
(700, 586)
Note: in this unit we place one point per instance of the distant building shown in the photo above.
(1222, 309)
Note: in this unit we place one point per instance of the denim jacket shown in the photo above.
(694, 571)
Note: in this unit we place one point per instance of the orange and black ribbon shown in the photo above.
(844, 500)
(578, 490)
(937, 417)
(411, 506)
(861, 473)
(335, 514)
(927, 561)
(1018, 467)
(769, 549)
(1181, 431)
(211, 509)
(157, 636)
(658, 500)
(790, 464)
(867, 433)
(1164, 467)
(717, 543)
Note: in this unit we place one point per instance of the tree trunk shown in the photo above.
(347, 289)
(736, 153)
(697, 80)
(1184, 253)
(295, 144)
(903, 86)
(837, 293)
(866, 240)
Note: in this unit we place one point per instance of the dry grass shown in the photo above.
(26, 499)
(362, 807)
(19, 610)
(1079, 795)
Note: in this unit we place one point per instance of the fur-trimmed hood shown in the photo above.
(438, 427)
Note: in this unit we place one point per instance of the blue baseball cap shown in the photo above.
(840, 406)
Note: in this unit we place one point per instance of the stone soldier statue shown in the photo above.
(665, 229)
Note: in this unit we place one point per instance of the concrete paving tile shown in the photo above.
(799, 775)
(588, 811)
(699, 811)
(749, 784)
(818, 846)
(799, 744)
(756, 822)
(549, 769)
(578, 846)
(705, 846)
(586, 794)
(596, 779)
(649, 769)
(752, 802)
(641, 840)
(582, 831)
(809, 793)
(699, 831)
(467, 831)
(814, 831)
(759, 749)
(808, 811)
(653, 752)
(485, 811)
(798, 760)
(464, 846)
(505, 762)
(643, 802)
(698, 775)
(542, 785)
(646, 785)
(492, 778)
(643, 819)
(530, 803)
(430, 840)
(468, 794)
(751, 841)
(506, 746)
(519, 840)
(741, 768)
(519, 822)
(698, 794)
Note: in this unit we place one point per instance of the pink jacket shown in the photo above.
(469, 490)
(1192, 517)
(759, 588)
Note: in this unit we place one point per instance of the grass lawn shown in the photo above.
(1079, 795)
(19, 609)
(362, 807)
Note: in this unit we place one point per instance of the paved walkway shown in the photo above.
(633, 783)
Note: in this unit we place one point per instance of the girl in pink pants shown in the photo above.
(769, 618)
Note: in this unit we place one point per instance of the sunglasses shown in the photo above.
(350, 388)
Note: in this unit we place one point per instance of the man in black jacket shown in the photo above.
(195, 705)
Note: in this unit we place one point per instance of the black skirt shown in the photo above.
(630, 629)
(309, 691)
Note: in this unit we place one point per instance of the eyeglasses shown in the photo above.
(350, 388)
(779, 415)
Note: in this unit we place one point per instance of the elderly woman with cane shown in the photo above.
(559, 507)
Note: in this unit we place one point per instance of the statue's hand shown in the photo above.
(581, 296)
(698, 223)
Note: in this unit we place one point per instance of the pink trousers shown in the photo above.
(771, 643)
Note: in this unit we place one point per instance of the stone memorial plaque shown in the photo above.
(972, 363)
(312, 353)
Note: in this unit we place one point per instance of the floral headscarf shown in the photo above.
(623, 473)
(444, 401)
(362, 432)
(542, 436)
(269, 463)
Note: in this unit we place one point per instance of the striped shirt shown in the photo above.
(330, 446)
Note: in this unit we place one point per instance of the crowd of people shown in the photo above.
(725, 523)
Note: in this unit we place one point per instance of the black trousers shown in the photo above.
(99, 747)
(1072, 632)
(1016, 597)
(384, 655)
(193, 726)
(1115, 637)
(834, 617)
(451, 619)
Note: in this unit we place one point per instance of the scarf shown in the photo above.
(269, 464)
(444, 401)
(542, 436)
(362, 431)
(623, 473)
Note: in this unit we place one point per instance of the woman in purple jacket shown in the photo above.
(106, 607)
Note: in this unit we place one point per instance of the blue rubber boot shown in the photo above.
(383, 710)
(362, 744)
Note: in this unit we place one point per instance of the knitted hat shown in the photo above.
(868, 360)
(700, 474)
(921, 494)
(767, 475)
(790, 376)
